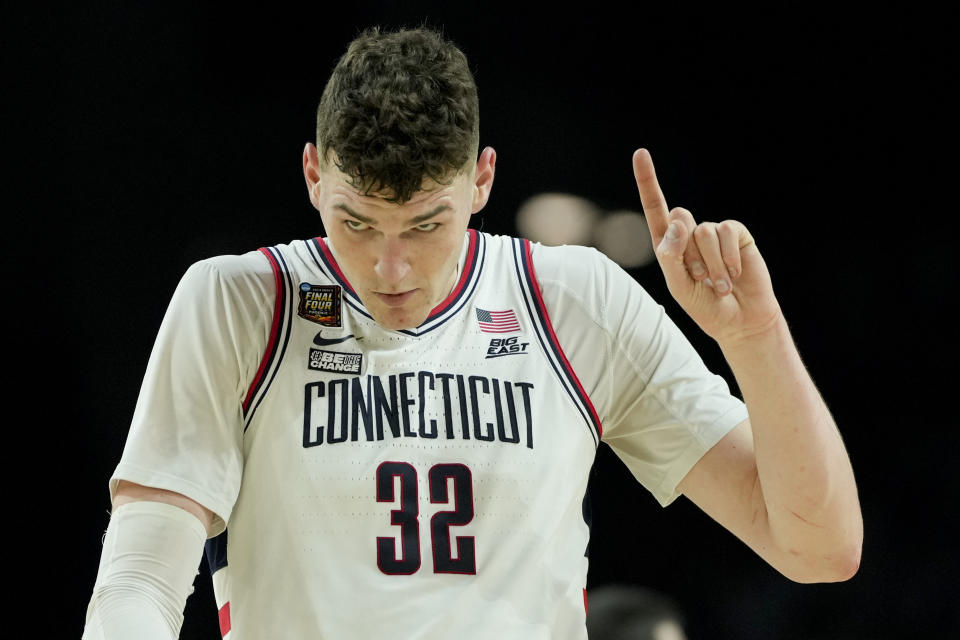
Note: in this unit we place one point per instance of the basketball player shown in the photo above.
(387, 432)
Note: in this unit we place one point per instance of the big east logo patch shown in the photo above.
(500, 347)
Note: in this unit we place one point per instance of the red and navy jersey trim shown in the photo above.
(324, 259)
(537, 310)
(279, 334)
(462, 291)
(215, 551)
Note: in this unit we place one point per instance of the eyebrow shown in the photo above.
(423, 217)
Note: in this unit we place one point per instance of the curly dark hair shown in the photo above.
(400, 109)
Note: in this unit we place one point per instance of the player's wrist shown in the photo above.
(763, 338)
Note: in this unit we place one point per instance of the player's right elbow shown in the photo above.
(149, 561)
(128, 611)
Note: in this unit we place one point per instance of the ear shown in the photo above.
(483, 180)
(311, 173)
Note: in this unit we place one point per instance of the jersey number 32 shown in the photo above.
(407, 518)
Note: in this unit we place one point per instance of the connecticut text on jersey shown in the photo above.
(419, 404)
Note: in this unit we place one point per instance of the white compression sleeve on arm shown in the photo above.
(150, 557)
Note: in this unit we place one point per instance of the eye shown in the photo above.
(427, 226)
(356, 225)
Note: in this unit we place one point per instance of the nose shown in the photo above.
(392, 263)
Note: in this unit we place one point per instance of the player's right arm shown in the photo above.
(180, 472)
(149, 560)
(131, 492)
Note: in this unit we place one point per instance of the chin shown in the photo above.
(396, 319)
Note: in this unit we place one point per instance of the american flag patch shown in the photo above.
(497, 321)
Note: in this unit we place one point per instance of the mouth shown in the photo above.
(395, 299)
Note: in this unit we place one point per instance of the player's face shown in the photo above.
(401, 259)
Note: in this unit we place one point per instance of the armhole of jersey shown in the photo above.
(215, 551)
(279, 335)
(532, 293)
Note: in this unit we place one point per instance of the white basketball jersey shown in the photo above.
(423, 483)
(412, 484)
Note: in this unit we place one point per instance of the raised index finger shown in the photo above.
(651, 197)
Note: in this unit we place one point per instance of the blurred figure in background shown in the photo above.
(555, 219)
(628, 612)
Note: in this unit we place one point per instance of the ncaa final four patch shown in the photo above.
(320, 303)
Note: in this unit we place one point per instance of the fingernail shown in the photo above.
(733, 272)
(722, 286)
(697, 268)
(673, 232)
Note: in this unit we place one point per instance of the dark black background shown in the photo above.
(153, 136)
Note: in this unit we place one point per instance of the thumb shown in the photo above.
(670, 256)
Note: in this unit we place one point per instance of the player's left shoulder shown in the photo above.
(581, 277)
(579, 270)
(557, 262)
(573, 272)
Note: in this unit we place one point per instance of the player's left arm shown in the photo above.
(782, 480)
